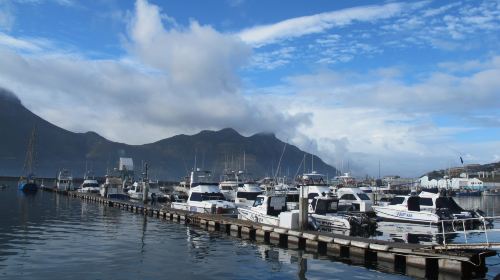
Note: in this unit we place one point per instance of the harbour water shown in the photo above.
(48, 236)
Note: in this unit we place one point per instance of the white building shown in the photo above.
(453, 183)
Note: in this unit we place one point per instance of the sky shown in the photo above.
(412, 85)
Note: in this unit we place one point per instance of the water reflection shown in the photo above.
(49, 236)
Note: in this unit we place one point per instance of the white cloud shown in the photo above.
(318, 23)
(273, 59)
(177, 80)
(6, 15)
(364, 117)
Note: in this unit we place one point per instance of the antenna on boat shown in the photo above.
(244, 161)
(379, 168)
(312, 163)
(279, 162)
(195, 153)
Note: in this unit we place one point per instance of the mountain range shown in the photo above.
(169, 159)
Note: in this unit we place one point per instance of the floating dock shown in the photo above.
(414, 260)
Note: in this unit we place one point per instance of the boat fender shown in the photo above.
(312, 223)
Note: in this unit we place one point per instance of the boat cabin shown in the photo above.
(324, 205)
(271, 205)
(354, 199)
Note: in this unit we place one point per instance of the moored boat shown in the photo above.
(27, 182)
(113, 188)
(90, 184)
(427, 208)
(205, 196)
(64, 181)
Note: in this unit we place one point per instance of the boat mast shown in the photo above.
(30, 154)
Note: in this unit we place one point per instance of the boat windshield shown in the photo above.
(258, 201)
(324, 206)
(363, 196)
(397, 200)
(206, 196)
(248, 195)
(91, 185)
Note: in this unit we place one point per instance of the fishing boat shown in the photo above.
(113, 188)
(354, 199)
(27, 182)
(90, 184)
(205, 196)
(270, 209)
(136, 191)
(246, 194)
(324, 211)
(64, 181)
(229, 185)
(427, 208)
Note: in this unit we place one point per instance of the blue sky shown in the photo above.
(413, 84)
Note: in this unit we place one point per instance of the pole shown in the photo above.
(145, 185)
(303, 208)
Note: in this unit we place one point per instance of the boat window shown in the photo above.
(397, 200)
(212, 196)
(258, 201)
(195, 197)
(226, 188)
(324, 206)
(292, 197)
(414, 203)
(367, 191)
(348, 196)
(363, 196)
(426, 201)
(312, 195)
(248, 195)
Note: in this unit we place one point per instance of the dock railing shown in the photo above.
(468, 226)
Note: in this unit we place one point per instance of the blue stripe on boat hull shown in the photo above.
(28, 187)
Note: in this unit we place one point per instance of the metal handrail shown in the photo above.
(465, 231)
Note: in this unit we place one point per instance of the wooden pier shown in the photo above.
(411, 259)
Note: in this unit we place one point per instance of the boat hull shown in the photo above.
(327, 222)
(28, 187)
(399, 215)
(254, 216)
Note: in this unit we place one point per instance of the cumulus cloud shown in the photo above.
(176, 80)
(364, 117)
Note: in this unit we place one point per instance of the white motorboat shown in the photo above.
(229, 185)
(246, 194)
(113, 188)
(136, 191)
(270, 209)
(354, 199)
(367, 190)
(205, 196)
(324, 211)
(90, 184)
(426, 207)
(64, 181)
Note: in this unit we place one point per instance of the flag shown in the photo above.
(462, 160)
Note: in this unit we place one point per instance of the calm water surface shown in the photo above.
(46, 236)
